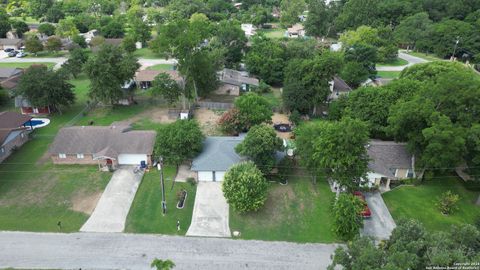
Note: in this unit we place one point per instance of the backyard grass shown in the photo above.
(298, 212)
(429, 57)
(389, 74)
(273, 33)
(161, 67)
(35, 194)
(145, 215)
(418, 202)
(147, 53)
(396, 62)
(274, 97)
(25, 19)
(25, 64)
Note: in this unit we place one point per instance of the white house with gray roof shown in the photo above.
(389, 161)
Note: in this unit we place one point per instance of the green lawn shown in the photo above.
(397, 62)
(429, 57)
(274, 97)
(418, 202)
(145, 215)
(161, 67)
(298, 212)
(25, 64)
(104, 116)
(35, 194)
(147, 53)
(389, 74)
(273, 33)
(48, 54)
(26, 19)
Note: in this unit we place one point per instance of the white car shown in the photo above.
(21, 54)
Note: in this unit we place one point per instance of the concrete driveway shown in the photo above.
(412, 60)
(210, 212)
(381, 224)
(112, 208)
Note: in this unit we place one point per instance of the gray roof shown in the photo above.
(218, 154)
(234, 77)
(9, 72)
(387, 156)
(339, 85)
(100, 141)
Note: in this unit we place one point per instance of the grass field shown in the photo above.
(298, 212)
(429, 57)
(161, 67)
(25, 64)
(147, 53)
(145, 215)
(274, 97)
(48, 54)
(389, 74)
(26, 19)
(397, 62)
(273, 33)
(418, 202)
(35, 194)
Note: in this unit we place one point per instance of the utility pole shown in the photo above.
(160, 168)
(455, 48)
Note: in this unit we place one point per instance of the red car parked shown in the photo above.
(366, 213)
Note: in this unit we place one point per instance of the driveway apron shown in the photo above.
(112, 208)
(381, 224)
(210, 212)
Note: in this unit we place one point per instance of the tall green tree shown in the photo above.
(76, 61)
(358, 12)
(20, 27)
(45, 87)
(414, 29)
(179, 141)
(38, 8)
(33, 45)
(346, 216)
(47, 29)
(291, 10)
(53, 44)
(4, 23)
(66, 28)
(318, 20)
(166, 87)
(108, 70)
(260, 145)
(266, 59)
(253, 110)
(230, 36)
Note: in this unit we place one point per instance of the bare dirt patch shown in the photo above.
(208, 121)
(280, 118)
(85, 203)
(278, 200)
(156, 115)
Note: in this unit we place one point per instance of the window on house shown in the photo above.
(410, 174)
(2, 150)
(62, 155)
(80, 156)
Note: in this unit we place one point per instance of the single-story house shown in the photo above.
(338, 87)
(217, 157)
(233, 81)
(103, 145)
(144, 78)
(9, 77)
(249, 29)
(296, 31)
(27, 108)
(389, 161)
(7, 43)
(14, 130)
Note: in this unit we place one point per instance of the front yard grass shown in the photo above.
(273, 33)
(389, 74)
(145, 215)
(418, 202)
(161, 67)
(429, 57)
(298, 212)
(396, 62)
(147, 53)
(25, 64)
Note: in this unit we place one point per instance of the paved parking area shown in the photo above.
(112, 208)
(381, 224)
(210, 212)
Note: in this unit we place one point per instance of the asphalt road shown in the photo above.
(135, 251)
(412, 60)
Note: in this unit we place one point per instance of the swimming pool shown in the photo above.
(38, 122)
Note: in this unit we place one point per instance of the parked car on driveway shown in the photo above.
(366, 213)
(12, 54)
(21, 54)
(9, 50)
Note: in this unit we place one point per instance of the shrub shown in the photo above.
(245, 187)
(295, 117)
(447, 202)
(230, 122)
(191, 181)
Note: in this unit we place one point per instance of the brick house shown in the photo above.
(14, 130)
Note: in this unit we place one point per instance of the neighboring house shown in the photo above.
(233, 81)
(217, 157)
(9, 77)
(249, 29)
(389, 161)
(27, 108)
(6, 43)
(144, 78)
(128, 89)
(103, 145)
(14, 130)
(89, 35)
(338, 87)
(296, 31)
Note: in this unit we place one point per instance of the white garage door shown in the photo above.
(131, 159)
(205, 176)
(219, 176)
